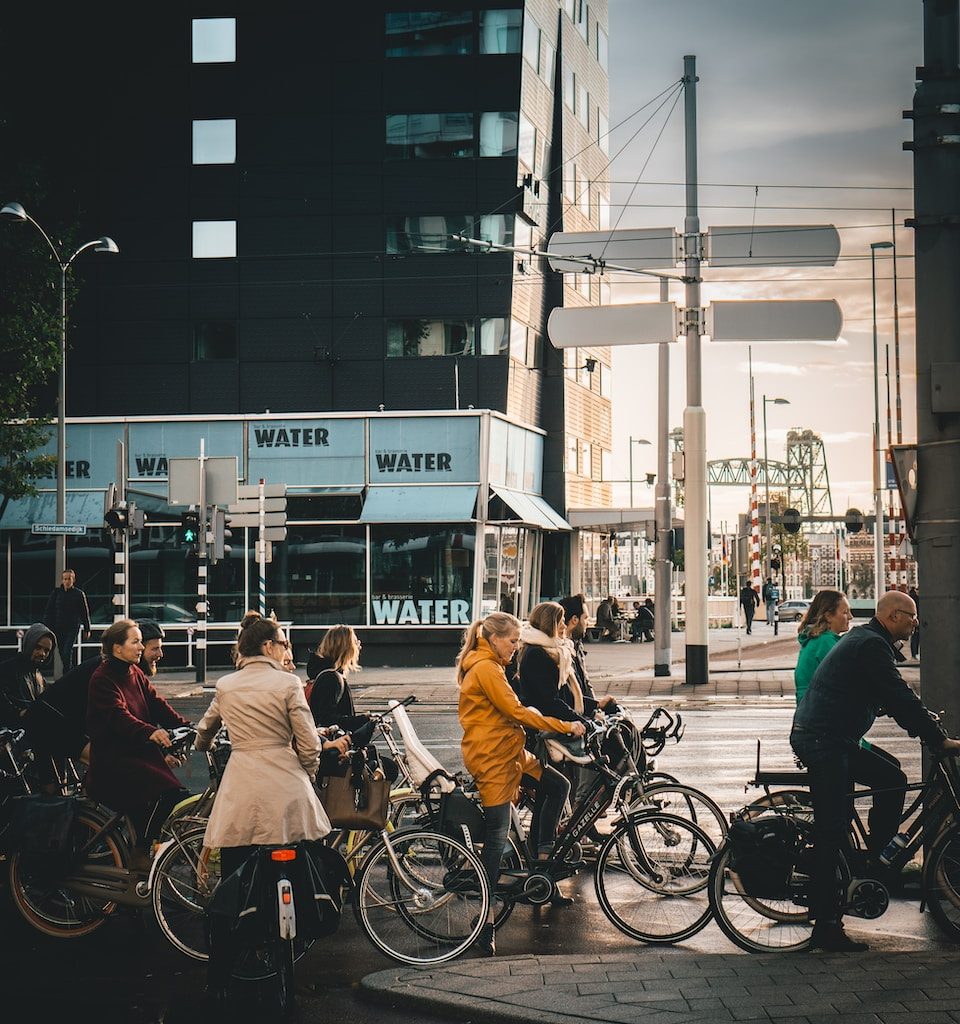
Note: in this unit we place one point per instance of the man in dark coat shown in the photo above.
(857, 681)
(749, 602)
(67, 610)
(21, 681)
(127, 721)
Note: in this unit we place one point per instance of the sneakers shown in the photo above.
(831, 938)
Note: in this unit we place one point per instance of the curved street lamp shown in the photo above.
(879, 462)
(766, 469)
(15, 211)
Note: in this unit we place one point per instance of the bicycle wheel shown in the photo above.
(759, 925)
(284, 957)
(651, 877)
(182, 888)
(941, 882)
(42, 894)
(795, 802)
(421, 897)
(685, 802)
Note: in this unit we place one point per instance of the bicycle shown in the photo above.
(74, 895)
(779, 918)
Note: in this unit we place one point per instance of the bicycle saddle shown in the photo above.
(559, 752)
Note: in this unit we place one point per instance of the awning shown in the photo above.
(84, 508)
(441, 504)
(531, 509)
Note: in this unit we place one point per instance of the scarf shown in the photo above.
(560, 650)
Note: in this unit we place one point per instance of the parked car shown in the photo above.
(158, 612)
(793, 611)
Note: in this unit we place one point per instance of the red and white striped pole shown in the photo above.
(755, 574)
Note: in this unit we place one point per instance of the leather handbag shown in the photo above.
(356, 800)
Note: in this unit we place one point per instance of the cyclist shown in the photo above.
(493, 721)
(127, 722)
(266, 795)
(857, 681)
(21, 679)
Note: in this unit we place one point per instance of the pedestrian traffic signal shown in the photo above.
(190, 529)
(221, 534)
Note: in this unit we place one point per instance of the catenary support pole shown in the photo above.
(201, 675)
(663, 512)
(694, 417)
(936, 224)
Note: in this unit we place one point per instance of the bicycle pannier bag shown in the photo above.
(460, 816)
(39, 826)
(355, 800)
(763, 853)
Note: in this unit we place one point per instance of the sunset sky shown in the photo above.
(800, 122)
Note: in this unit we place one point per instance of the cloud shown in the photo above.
(844, 436)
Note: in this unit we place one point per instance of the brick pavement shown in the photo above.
(671, 986)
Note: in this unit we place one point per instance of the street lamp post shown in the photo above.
(879, 466)
(16, 212)
(766, 470)
(633, 441)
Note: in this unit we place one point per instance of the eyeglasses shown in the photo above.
(903, 611)
(281, 643)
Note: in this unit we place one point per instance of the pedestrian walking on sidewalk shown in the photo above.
(771, 595)
(749, 602)
(67, 610)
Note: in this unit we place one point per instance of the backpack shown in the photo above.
(342, 684)
(763, 853)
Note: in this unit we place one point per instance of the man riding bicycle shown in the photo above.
(856, 682)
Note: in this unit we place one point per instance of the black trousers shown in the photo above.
(748, 610)
(834, 769)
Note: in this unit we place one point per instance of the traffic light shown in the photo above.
(190, 529)
(853, 520)
(790, 518)
(124, 517)
(221, 534)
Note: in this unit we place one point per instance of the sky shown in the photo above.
(802, 94)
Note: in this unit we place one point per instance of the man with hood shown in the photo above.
(21, 679)
(67, 610)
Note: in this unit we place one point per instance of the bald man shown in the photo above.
(857, 681)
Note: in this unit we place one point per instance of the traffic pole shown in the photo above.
(662, 652)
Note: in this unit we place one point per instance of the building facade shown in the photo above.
(291, 190)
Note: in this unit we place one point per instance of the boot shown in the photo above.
(831, 938)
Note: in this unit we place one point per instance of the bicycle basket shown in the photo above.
(763, 853)
(460, 817)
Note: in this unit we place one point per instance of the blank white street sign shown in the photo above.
(252, 505)
(221, 481)
(788, 320)
(639, 323)
(252, 519)
(269, 490)
(643, 248)
(773, 245)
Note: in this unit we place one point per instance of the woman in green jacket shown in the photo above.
(827, 617)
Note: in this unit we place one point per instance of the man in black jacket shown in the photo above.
(67, 611)
(21, 681)
(857, 681)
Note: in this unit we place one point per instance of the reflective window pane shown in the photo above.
(498, 133)
(426, 233)
(603, 51)
(531, 42)
(215, 141)
(421, 575)
(583, 106)
(214, 239)
(494, 335)
(214, 341)
(518, 341)
(527, 142)
(429, 136)
(497, 228)
(429, 33)
(429, 338)
(547, 58)
(569, 87)
(603, 131)
(500, 31)
(214, 40)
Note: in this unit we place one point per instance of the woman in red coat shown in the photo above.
(127, 721)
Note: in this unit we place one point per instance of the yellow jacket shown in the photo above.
(493, 720)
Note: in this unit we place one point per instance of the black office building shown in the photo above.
(290, 188)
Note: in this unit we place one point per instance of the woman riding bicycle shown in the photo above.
(127, 721)
(493, 721)
(266, 796)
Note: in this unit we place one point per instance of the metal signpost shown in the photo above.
(263, 507)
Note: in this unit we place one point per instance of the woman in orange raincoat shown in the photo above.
(493, 722)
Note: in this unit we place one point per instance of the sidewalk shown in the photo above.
(671, 986)
(741, 666)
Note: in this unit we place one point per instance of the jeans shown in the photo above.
(834, 768)
(771, 607)
(552, 789)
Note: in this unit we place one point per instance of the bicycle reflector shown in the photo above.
(283, 854)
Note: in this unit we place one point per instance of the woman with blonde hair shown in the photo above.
(493, 745)
(827, 617)
(336, 657)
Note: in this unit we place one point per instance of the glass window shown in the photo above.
(522, 233)
(215, 141)
(214, 239)
(603, 205)
(491, 570)
(596, 462)
(603, 50)
(214, 341)
(586, 463)
(606, 380)
(511, 544)
(569, 181)
(534, 347)
(527, 142)
(497, 228)
(32, 574)
(500, 31)
(214, 40)
(429, 33)
(518, 341)
(583, 198)
(603, 131)
(429, 338)
(426, 233)
(429, 136)
(581, 7)
(548, 56)
(531, 42)
(498, 132)
(494, 335)
(583, 106)
(570, 6)
(583, 286)
(569, 87)
(571, 457)
(571, 359)
(606, 466)
(421, 574)
(318, 575)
